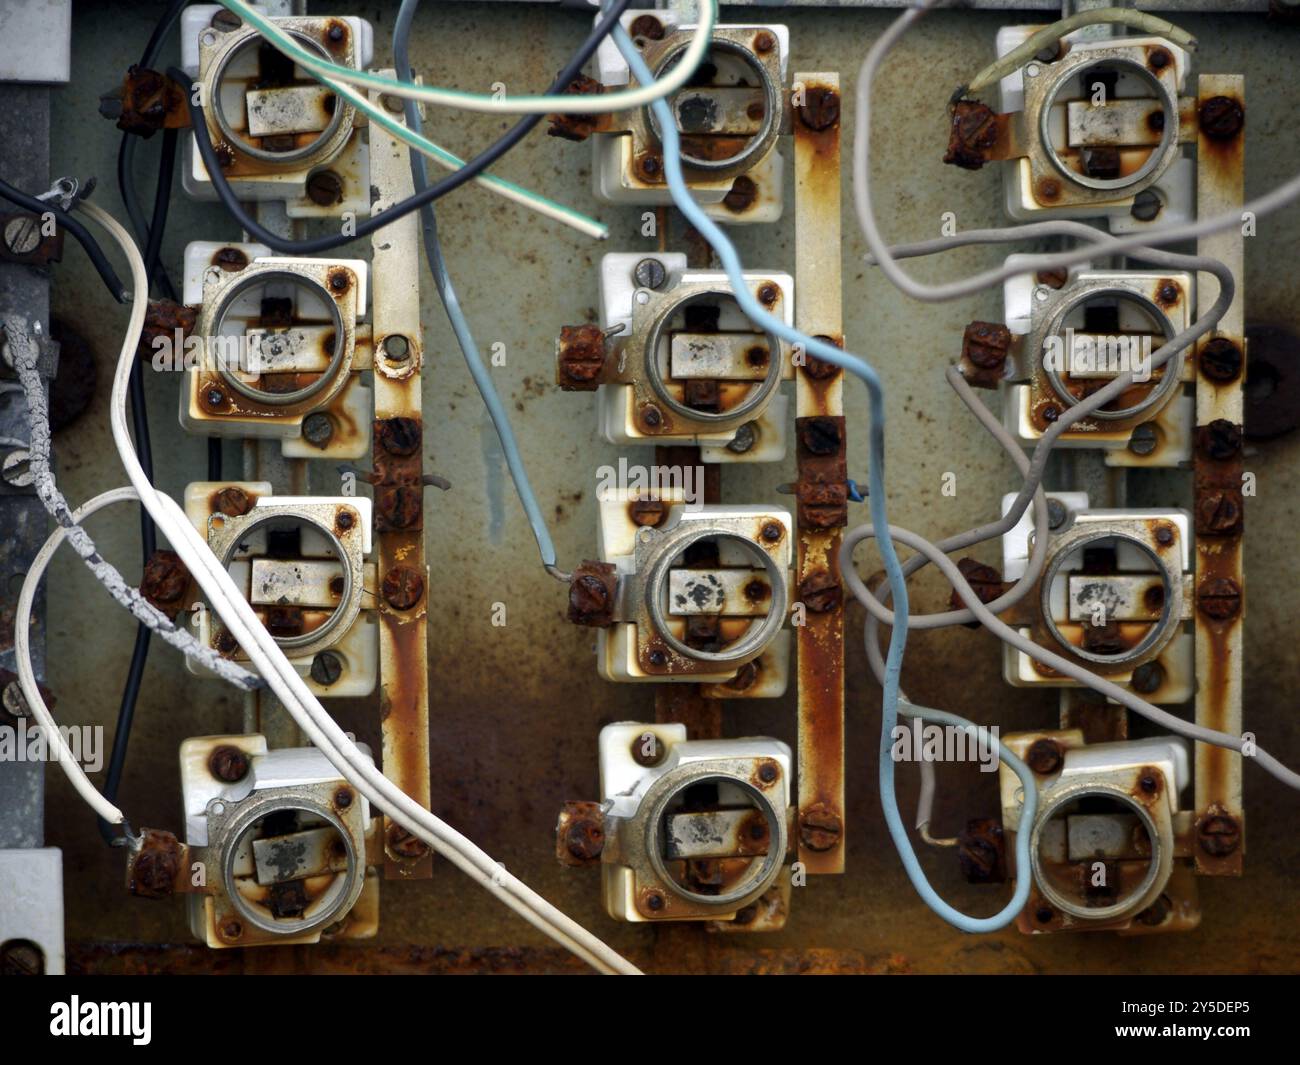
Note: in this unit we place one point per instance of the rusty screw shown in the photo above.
(21, 957)
(1219, 835)
(1147, 205)
(651, 416)
(1222, 118)
(326, 668)
(820, 827)
(1219, 598)
(228, 764)
(325, 188)
(764, 42)
(400, 436)
(1219, 511)
(820, 592)
(343, 798)
(1221, 360)
(821, 436)
(231, 929)
(403, 587)
(767, 293)
(15, 703)
(772, 532)
(233, 502)
(1044, 756)
(820, 109)
(404, 845)
(648, 750)
(769, 772)
(588, 596)
(654, 902)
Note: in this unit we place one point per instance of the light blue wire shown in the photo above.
(433, 252)
(1029, 789)
(757, 314)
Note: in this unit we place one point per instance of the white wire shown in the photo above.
(600, 103)
(270, 661)
(23, 656)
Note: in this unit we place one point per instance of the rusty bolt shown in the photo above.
(654, 901)
(657, 658)
(772, 532)
(231, 929)
(336, 32)
(153, 872)
(233, 502)
(650, 167)
(400, 436)
(820, 592)
(746, 677)
(1159, 58)
(767, 293)
(584, 838)
(973, 135)
(648, 749)
(589, 597)
(820, 827)
(1219, 511)
(646, 512)
(343, 798)
(764, 42)
(1219, 598)
(214, 397)
(821, 436)
(769, 772)
(742, 194)
(1220, 440)
(344, 520)
(1048, 189)
(1157, 913)
(325, 188)
(649, 273)
(21, 957)
(317, 429)
(981, 851)
(1051, 413)
(404, 845)
(1149, 781)
(326, 668)
(228, 764)
(820, 109)
(1053, 278)
(1221, 360)
(647, 26)
(1222, 118)
(651, 416)
(1219, 834)
(339, 281)
(1044, 756)
(985, 582)
(165, 579)
(399, 508)
(403, 587)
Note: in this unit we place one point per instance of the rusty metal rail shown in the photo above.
(1219, 505)
(399, 502)
(822, 484)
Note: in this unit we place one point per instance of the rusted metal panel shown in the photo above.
(399, 497)
(822, 507)
(1220, 583)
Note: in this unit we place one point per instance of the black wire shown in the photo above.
(96, 253)
(452, 181)
(152, 233)
(126, 152)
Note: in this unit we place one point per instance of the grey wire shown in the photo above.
(1275, 199)
(1047, 657)
(451, 304)
(24, 353)
(1033, 471)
